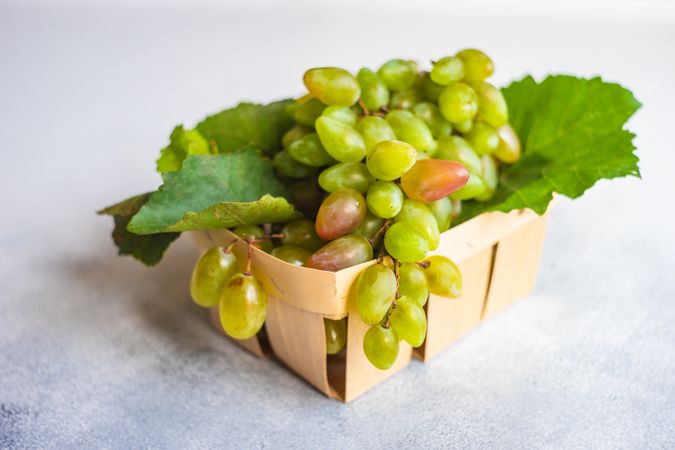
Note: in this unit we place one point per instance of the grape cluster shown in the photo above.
(379, 164)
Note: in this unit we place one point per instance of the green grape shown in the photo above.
(489, 176)
(409, 321)
(458, 102)
(508, 150)
(342, 114)
(306, 196)
(412, 130)
(404, 99)
(477, 65)
(333, 86)
(291, 254)
(447, 70)
(352, 175)
(483, 138)
(417, 213)
(295, 133)
(430, 89)
(252, 232)
(301, 233)
(213, 269)
(380, 346)
(463, 127)
(336, 335)
(431, 179)
(442, 211)
(455, 148)
(492, 107)
(341, 141)
(413, 283)
(286, 165)
(398, 75)
(306, 110)
(340, 213)
(431, 115)
(384, 199)
(473, 188)
(341, 253)
(406, 242)
(243, 306)
(375, 292)
(374, 130)
(389, 160)
(374, 93)
(443, 276)
(369, 226)
(309, 151)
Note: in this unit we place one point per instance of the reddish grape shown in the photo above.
(431, 179)
(340, 213)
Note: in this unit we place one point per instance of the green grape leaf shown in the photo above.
(182, 143)
(147, 249)
(219, 191)
(572, 134)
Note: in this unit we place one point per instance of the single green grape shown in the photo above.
(306, 110)
(406, 242)
(243, 306)
(431, 179)
(412, 130)
(492, 107)
(352, 175)
(472, 189)
(431, 90)
(409, 321)
(443, 276)
(374, 93)
(340, 213)
(463, 127)
(336, 335)
(213, 269)
(375, 292)
(332, 85)
(417, 213)
(447, 70)
(342, 114)
(388, 160)
(341, 141)
(413, 283)
(431, 115)
(404, 99)
(374, 130)
(458, 102)
(309, 151)
(296, 132)
(384, 199)
(369, 226)
(286, 165)
(398, 75)
(489, 176)
(380, 346)
(483, 138)
(455, 148)
(477, 65)
(343, 252)
(508, 150)
(442, 211)
(301, 233)
(291, 254)
(253, 232)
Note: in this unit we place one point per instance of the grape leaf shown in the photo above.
(572, 134)
(183, 143)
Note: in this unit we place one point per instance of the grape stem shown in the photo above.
(366, 112)
(397, 264)
(424, 264)
(376, 237)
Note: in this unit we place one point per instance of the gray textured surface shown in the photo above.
(97, 351)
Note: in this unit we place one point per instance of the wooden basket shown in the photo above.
(498, 255)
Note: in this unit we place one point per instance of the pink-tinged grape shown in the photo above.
(352, 175)
(447, 70)
(341, 253)
(287, 166)
(340, 213)
(463, 127)
(306, 196)
(431, 179)
(374, 93)
(213, 269)
(413, 283)
(375, 292)
(389, 160)
(295, 133)
(455, 148)
(336, 335)
(508, 150)
(491, 105)
(380, 346)
(431, 115)
(456, 208)
(409, 321)
(343, 114)
(291, 254)
(431, 90)
(406, 242)
(306, 110)
(341, 141)
(404, 99)
(369, 226)
(477, 65)
(374, 130)
(398, 75)
(252, 233)
(489, 175)
(412, 130)
(483, 138)
(458, 102)
(301, 233)
(418, 214)
(442, 211)
(243, 306)
(384, 199)
(473, 188)
(309, 151)
(332, 85)
(443, 276)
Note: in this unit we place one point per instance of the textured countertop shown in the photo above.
(98, 351)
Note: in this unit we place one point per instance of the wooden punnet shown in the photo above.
(498, 255)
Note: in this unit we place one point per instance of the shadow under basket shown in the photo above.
(498, 255)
